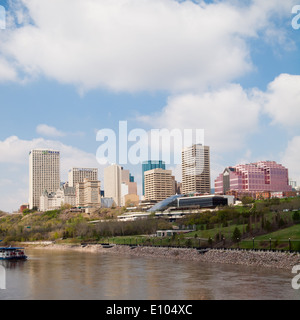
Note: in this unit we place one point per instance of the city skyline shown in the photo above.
(261, 179)
(231, 80)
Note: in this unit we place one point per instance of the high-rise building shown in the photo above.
(77, 175)
(112, 183)
(128, 186)
(149, 165)
(119, 183)
(159, 184)
(254, 177)
(196, 169)
(88, 193)
(44, 174)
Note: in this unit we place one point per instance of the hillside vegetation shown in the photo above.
(249, 225)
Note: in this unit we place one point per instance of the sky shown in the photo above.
(69, 68)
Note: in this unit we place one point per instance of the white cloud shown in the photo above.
(14, 159)
(139, 44)
(231, 115)
(14, 150)
(291, 158)
(227, 116)
(49, 131)
(7, 72)
(282, 100)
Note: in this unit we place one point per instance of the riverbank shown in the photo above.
(265, 259)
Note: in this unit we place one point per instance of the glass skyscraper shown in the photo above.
(149, 165)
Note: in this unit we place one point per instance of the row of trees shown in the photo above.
(57, 224)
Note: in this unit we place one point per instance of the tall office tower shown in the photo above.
(112, 183)
(44, 174)
(150, 165)
(159, 184)
(77, 175)
(196, 169)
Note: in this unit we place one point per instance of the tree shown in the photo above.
(268, 226)
(247, 200)
(236, 235)
(296, 216)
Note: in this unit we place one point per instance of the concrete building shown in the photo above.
(44, 174)
(70, 195)
(128, 180)
(293, 184)
(54, 200)
(159, 184)
(131, 200)
(77, 175)
(150, 165)
(119, 183)
(128, 187)
(107, 202)
(112, 183)
(88, 194)
(252, 179)
(196, 169)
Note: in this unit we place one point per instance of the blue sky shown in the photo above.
(229, 67)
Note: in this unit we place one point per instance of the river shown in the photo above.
(61, 275)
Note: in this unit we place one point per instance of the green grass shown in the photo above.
(279, 240)
(283, 234)
(211, 233)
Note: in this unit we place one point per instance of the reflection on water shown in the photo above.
(60, 275)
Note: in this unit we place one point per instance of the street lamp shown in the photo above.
(270, 243)
(290, 243)
(253, 243)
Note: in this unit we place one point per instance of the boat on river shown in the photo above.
(12, 253)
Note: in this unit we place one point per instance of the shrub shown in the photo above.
(188, 243)
(296, 216)
(236, 235)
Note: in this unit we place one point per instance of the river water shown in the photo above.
(60, 275)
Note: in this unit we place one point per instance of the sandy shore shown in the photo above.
(266, 259)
